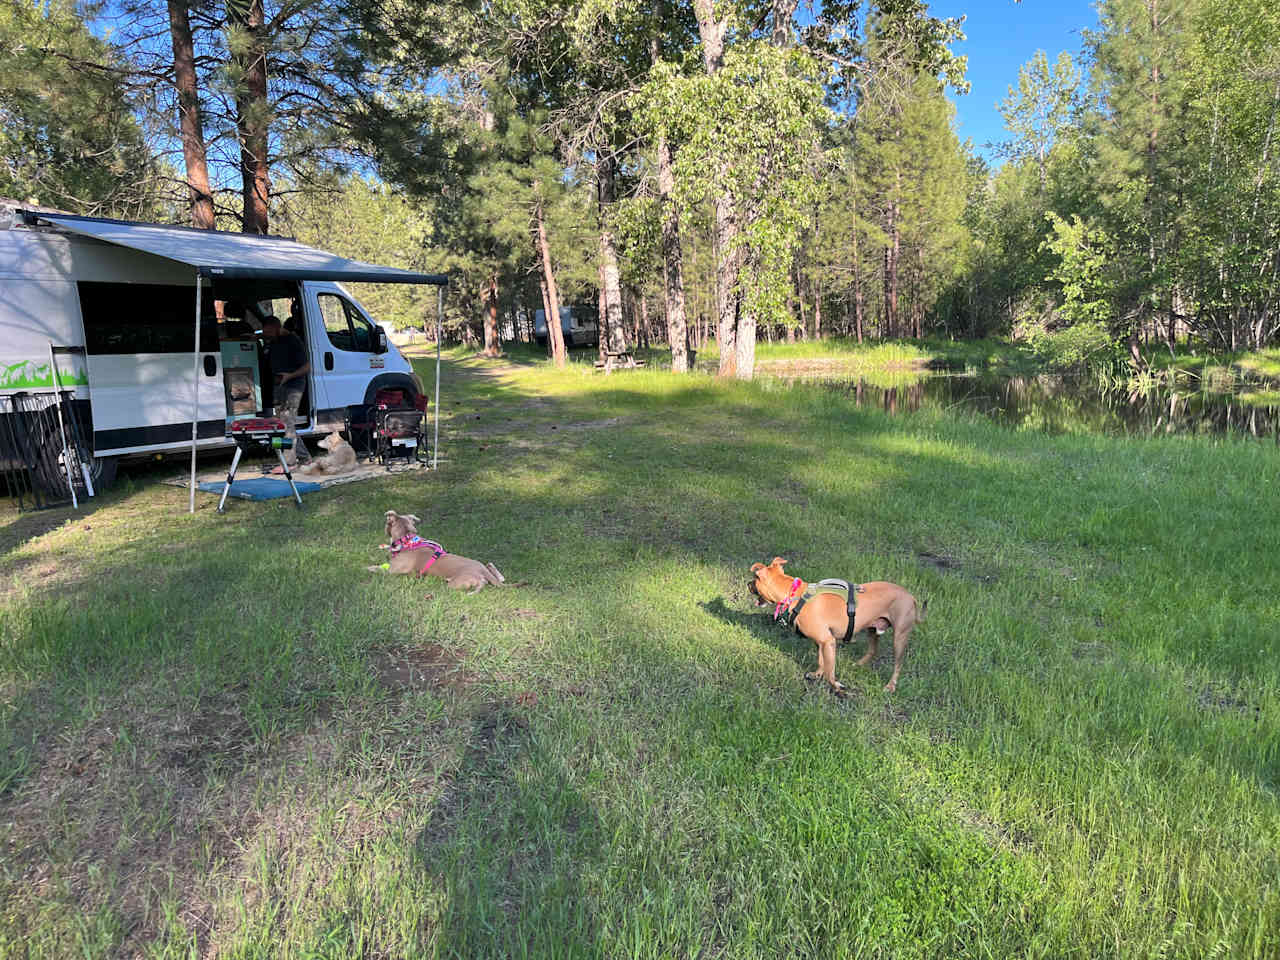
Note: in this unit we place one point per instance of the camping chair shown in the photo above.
(390, 428)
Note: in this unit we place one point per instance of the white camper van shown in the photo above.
(114, 304)
(579, 326)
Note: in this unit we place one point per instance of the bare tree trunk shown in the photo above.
(643, 338)
(602, 310)
(783, 11)
(712, 33)
(856, 263)
(891, 253)
(546, 306)
(611, 286)
(745, 363)
(189, 123)
(744, 330)
(252, 114)
(492, 345)
(817, 312)
(816, 286)
(726, 285)
(672, 264)
(555, 336)
(804, 319)
(917, 305)
(859, 300)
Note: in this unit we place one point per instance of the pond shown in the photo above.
(1062, 404)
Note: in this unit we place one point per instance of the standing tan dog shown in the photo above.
(824, 617)
(413, 555)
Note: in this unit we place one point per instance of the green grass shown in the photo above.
(210, 743)
(1222, 371)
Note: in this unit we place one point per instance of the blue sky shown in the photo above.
(1002, 36)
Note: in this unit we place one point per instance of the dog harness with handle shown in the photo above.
(415, 542)
(788, 615)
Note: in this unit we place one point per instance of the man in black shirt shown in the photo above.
(289, 369)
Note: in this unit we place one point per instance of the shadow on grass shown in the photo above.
(510, 840)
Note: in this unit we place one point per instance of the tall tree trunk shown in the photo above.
(783, 12)
(672, 263)
(546, 303)
(611, 286)
(189, 122)
(917, 305)
(817, 312)
(891, 252)
(672, 260)
(252, 112)
(726, 231)
(602, 310)
(745, 328)
(643, 338)
(858, 296)
(712, 33)
(492, 343)
(804, 319)
(555, 335)
(745, 363)
(817, 277)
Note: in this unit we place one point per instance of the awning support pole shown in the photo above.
(195, 390)
(435, 446)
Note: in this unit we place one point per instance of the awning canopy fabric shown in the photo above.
(235, 256)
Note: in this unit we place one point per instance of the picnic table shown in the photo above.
(621, 360)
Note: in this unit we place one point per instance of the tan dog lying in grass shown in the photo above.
(341, 457)
(412, 554)
(824, 617)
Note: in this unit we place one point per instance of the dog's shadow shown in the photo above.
(760, 624)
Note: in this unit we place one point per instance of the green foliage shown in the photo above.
(367, 220)
(1071, 347)
(1042, 108)
(908, 176)
(1083, 254)
(747, 131)
(68, 138)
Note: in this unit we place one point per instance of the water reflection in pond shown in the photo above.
(1058, 404)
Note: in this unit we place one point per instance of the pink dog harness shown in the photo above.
(415, 542)
(795, 585)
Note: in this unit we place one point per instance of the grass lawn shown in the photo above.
(221, 736)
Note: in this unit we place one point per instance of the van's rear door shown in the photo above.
(138, 343)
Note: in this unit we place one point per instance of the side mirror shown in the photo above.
(380, 340)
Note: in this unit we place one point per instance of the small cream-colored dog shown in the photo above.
(410, 553)
(341, 457)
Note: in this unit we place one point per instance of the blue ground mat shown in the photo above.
(259, 488)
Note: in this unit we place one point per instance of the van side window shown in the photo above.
(335, 320)
(126, 318)
(346, 326)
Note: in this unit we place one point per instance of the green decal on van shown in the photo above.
(28, 374)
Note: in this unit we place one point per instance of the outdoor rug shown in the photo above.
(250, 484)
(256, 488)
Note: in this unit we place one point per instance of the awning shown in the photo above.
(234, 256)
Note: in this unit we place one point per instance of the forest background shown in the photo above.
(710, 172)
